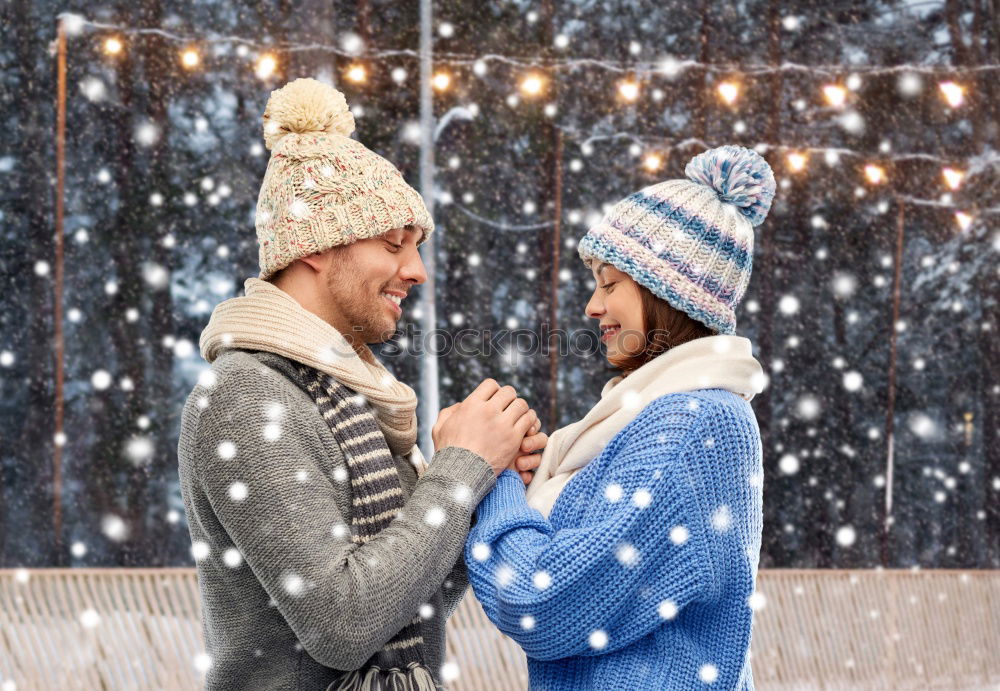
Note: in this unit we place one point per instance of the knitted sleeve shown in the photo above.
(635, 559)
(276, 504)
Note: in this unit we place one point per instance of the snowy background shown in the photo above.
(543, 113)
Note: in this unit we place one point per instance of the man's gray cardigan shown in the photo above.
(287, 598)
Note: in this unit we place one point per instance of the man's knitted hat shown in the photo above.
(690, 242)
(322, 188)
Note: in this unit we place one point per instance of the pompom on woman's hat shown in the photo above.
(690, 241)
(322, 188)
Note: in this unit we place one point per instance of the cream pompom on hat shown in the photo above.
(322, 188)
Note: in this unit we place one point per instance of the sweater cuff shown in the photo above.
(507, 498)
(462, 465)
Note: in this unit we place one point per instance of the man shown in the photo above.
(328, 552)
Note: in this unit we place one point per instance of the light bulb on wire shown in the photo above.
(835, 95)
(952, 178)
(652, 162)
(266, 66)
(532, 85)
(797, 161)
(629, 90)
(954, 94)
(441, 81)
(729, 92)
(113, 45)
(190, 58)
(875, 174)
(357, 74)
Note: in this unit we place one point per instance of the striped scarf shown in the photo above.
(377, 497)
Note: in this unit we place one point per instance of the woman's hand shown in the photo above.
(527, 460)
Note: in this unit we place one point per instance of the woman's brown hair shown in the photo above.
(665, 327)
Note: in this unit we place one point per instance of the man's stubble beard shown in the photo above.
(362, 311)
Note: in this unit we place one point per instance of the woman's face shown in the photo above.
(617, 307)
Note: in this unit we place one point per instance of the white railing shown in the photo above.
(818, 629)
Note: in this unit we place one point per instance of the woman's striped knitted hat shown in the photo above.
(690, 241)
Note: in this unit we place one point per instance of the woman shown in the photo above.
(629, 560)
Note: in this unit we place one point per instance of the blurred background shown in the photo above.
(873, 304)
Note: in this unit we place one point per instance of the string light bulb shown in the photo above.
(963, 219)
(266, 65)
(532, 85)
(835, 95)
(953, 93)
(441, 81)
(190, 58)
(875, 174)
(113, 45)
(652, 162)
(357, 74)
(797, 161)
(628, 90)
(729, 92)
(953, 178)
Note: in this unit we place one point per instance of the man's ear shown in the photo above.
(316, 262)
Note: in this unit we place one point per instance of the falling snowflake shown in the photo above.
(100, 380)
(272, 431)
(200, 550)
(708, 673)
(679, 535)
(293, 584)
(845, 536)
(90, 618)
(642, 498)
(757, 601)
(598, 639)
(722, 519)
(627, 555)
(449, 671)
(202, 662)
(238, 491)
(667, 609)
(139, 449)
(504, 575)
(541, 579)
(114, 528)
(788, 464)
(435, 516)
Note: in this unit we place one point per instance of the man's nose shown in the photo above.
(413, 268)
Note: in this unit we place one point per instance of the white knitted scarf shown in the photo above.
(721, 361)
(269, 319)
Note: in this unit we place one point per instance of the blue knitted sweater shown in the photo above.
(640, 577)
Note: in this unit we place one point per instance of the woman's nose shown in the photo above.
(595, 308)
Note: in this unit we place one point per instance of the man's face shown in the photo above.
(368, 279)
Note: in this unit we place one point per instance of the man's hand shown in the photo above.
(492, 422)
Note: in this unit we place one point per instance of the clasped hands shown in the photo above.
(496, 424)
